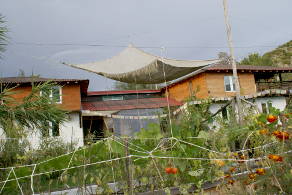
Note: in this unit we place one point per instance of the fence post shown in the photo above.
(128, 168)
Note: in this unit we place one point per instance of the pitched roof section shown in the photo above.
(129, 104)
(248, 68)
(240, 68)
(29, 80)
(34, 79)
(96, 93)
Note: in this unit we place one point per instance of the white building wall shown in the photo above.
(277, 102)
(70, 132)
(215, 107)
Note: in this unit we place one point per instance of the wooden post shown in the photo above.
(128, 168)
(280, 77)
(234, 69)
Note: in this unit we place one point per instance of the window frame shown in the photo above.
(112, 98)
(60, 93)
(266, 107)
(51, 94)
(50, 130)
(230, 82)
(52, 125)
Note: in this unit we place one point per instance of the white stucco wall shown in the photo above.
(277, 102)
(70, 132)
(215, 107)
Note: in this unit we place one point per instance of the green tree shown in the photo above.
(3, 37)
(34, 112)
(224, 58)
(257, 60)
(18, 119)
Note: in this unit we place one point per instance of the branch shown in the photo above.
(223, 107)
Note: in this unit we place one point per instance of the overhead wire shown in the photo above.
(142, 46)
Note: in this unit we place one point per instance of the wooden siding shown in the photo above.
(194, 86)
(71, 98)
(210, 85)
(19, 93)
(215, 84)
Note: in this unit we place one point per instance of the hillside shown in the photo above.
(282, 55)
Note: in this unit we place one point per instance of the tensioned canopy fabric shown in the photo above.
(133, 65)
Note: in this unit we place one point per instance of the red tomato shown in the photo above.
(174, 170)
(168, 170)
(272, 118)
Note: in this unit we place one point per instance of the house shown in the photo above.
(262, 85)
(68, 92)
(122, 112)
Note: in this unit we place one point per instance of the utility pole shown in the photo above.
(234, 69)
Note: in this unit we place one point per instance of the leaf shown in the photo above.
(204, 134)
(167, 191)
(144, 180)
(91, 179)
(196, 173)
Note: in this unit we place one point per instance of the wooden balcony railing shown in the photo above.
(285, 85)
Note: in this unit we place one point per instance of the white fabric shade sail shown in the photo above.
(133, 65)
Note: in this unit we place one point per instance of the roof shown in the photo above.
(34, 79)
(248, 68)
(132, 65)
(93, 93)
(129, 104)
(29, 80)
(240, 68)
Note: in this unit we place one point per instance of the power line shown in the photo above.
(153, 47)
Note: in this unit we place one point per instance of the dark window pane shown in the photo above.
(112, 97)
(227, 83)
(56, 93)
(270, 105)
(55, 129)
(264, 108)
(227, 87)
(224, 113)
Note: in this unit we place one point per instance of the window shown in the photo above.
(266, 107)
(55, 94)
(52, 130)
(225, 113)
(112, 97)
(55, 129)
(229, 83)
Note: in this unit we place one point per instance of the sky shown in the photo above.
(42, 34)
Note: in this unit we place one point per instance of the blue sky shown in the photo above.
(188, 29)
